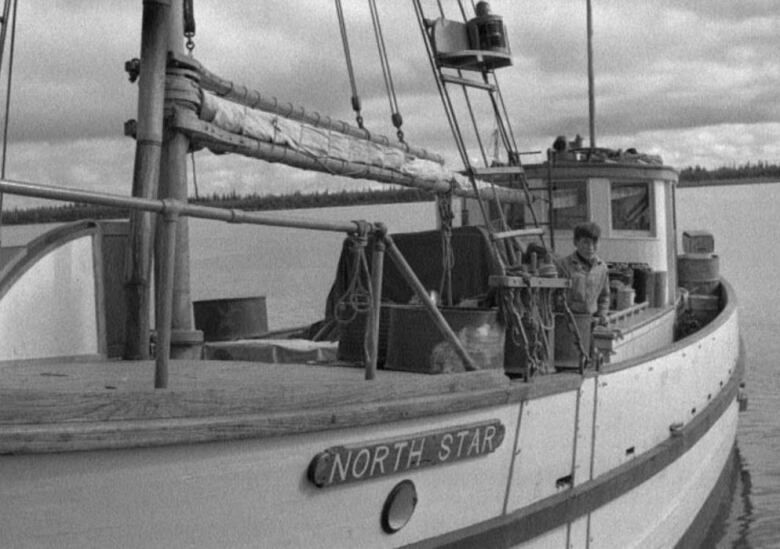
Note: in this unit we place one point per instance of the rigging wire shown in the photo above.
(350, 69)
(396, 117)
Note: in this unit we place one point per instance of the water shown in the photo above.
(295, 269)
(745, 224)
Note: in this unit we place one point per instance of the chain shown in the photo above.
(189, 24)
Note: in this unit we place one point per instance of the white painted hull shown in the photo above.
(255, 493)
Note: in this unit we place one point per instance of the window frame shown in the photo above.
(651, 231)
(582, 186)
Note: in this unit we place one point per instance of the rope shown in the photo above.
(571, 323)
(194, 175)
(444, 204)
(509, 301)
(350, 69)
(396, 117)
(358, 296)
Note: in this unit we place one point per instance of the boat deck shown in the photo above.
(111, 404)
(265, 380)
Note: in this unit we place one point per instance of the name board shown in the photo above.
(342, 464)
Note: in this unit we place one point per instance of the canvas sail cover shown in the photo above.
(322, 143)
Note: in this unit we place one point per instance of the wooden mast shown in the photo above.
(185, 341)
(151, 96)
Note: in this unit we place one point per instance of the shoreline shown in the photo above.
(292, 201)
(732, 181)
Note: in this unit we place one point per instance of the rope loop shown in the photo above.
(359, 294)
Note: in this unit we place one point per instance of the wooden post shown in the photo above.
(165, 288)
(151, 96)
(372, 331)
(419, 290)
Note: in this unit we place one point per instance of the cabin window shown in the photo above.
(631, 206)
(570, 204)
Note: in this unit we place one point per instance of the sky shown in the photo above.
(697, 82)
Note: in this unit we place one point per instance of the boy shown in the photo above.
(589, 291)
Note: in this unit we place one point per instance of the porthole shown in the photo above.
(399, 506)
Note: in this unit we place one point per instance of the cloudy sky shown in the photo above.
(697, 82)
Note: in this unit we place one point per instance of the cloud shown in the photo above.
(698, 81)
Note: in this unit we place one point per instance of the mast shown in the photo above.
(183, 338)
(146, 173)
(591, 100)
(160, 170)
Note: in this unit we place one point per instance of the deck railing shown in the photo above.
(170, 210)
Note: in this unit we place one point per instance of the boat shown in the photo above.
(439, 403)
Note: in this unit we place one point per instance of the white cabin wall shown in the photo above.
(622, 246)
(51, 310)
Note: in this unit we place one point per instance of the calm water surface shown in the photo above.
(294, 270)
(746, 227)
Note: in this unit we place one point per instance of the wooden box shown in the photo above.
(415, 344)
(698, 242)
(704, 307)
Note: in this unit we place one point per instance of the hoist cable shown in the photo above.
(396, 117)
(3, 30)
(350, 69)
(510, 133)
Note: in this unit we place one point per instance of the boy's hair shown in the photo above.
(587, 230)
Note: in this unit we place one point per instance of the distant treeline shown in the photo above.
(74, 212)
(691, 176)
(702, 176)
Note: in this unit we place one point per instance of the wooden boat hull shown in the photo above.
(623, 457)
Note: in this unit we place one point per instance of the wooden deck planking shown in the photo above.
(101, 391)
(67, 407)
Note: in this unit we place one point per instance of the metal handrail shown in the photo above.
(162, 206)
(171, 209)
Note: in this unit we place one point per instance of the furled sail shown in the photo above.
(230, 123)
